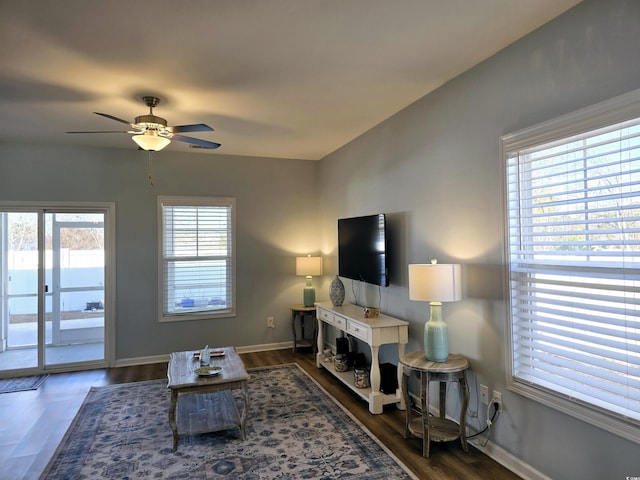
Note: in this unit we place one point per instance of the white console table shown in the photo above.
(374, 332)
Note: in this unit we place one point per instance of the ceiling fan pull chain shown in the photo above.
(150, 170)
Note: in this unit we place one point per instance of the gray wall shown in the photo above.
(435, 169)
(276, 204)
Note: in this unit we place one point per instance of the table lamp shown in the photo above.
(435, 283)
(309, 266)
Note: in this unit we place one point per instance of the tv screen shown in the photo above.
(362, 251)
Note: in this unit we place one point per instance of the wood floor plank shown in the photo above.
(32, 423)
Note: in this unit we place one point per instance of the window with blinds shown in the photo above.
(573, 235)
(197, 257)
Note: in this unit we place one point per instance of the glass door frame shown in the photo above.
(41, 208)
(57, 289)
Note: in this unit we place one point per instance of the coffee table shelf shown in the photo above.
(207, 412)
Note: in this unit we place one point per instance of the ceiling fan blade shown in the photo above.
(104, 131)
(198, 127)
(115, 118)
(195, 141)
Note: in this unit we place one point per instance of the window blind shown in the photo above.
(573, 226)
(197, 256)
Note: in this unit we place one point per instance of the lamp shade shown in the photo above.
(435, 282)
(151, 141)
(308, 266)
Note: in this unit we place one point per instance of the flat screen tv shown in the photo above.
(362, 249)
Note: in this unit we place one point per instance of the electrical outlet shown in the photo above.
(497, 398)
(271, 322)
(484, 395)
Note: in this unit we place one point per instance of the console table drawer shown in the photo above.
(339, 322)
(332, 319)
(358, 330)
(325, 315)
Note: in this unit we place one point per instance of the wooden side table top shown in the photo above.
(418, 361)
(301, 308)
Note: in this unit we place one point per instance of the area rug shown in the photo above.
(295, 430)
(9, 385)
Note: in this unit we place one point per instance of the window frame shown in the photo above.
(610, 112)
(180, 201)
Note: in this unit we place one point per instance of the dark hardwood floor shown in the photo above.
(32, 423)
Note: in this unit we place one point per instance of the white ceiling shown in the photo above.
(275, 78)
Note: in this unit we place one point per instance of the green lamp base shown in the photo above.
(309, 294)
(436, 336)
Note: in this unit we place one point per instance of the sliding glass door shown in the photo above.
(53, 288)
(74, 287)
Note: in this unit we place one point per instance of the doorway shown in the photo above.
(54, 289)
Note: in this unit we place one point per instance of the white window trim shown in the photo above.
(195, 201)
(619, 109)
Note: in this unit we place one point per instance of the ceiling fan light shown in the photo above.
(151, 142)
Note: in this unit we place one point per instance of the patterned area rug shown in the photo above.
(9, 385)
(296, 430)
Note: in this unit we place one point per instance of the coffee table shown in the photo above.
(206, 402)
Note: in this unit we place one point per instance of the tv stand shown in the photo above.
(374, 332)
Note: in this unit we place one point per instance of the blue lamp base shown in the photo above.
(436, 335)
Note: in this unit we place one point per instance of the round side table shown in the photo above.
(435, 429)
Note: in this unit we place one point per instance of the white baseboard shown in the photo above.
(264, 347)
(509, 461)
(128, 362)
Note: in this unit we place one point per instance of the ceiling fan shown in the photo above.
(151, 133)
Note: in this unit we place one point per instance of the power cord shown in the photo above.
(354, 292)
(489, 421)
